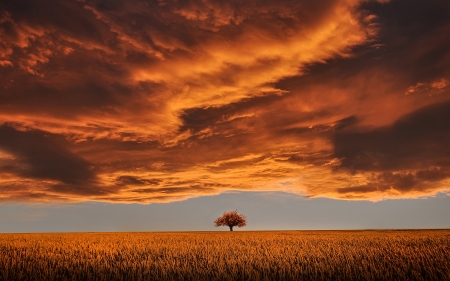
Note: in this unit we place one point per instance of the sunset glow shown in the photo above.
(160, 101)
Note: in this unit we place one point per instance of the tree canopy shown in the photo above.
(231, 219)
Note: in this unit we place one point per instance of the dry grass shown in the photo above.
(290, 255)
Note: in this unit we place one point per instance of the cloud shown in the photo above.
(417, 139)
(38, 164)
(432, 88)
(135, 101)
(411, 156)
(43, 156)
(130, 180)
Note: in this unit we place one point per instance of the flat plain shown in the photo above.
(238, 255)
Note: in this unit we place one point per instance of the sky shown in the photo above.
(144, 113)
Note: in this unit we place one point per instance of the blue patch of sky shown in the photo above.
(264, 211)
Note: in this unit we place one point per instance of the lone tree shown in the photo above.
(231, 219)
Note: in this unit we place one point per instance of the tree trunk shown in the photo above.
(231, 228)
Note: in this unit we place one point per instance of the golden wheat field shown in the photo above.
(281, 255)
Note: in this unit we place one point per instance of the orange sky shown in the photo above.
(159, 101)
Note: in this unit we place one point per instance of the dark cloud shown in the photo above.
(414, 141)
(403, 182)
(43, 156)
(130, 180)
(68, 17)
(404, 27)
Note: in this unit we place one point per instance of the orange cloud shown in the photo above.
(127, 101)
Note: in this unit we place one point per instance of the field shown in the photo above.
(239, 255)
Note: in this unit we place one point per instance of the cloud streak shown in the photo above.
(135, 101)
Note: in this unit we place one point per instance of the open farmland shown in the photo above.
(280, 255)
